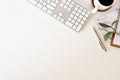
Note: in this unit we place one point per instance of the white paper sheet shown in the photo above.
(109, 18)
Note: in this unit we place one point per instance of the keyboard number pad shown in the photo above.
(77, 18)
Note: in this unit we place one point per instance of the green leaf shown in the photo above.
(107, 35)
(104, 25)
(115, 22)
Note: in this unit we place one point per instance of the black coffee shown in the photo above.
(106, 2)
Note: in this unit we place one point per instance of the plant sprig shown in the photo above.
(109, 33)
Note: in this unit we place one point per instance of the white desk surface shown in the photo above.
(34, 46)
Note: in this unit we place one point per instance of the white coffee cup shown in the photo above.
(100, 6)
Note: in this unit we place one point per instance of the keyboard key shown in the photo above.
(58, 17)
(81, 16)
(76, 8)
(44, 4)
(86, 15)
(67, 3)
(69, 23)
(56, 1)
(41, 1)
(84, 10)
(64, 1)
(44, 8)
(84, 18)
(78, 28)
(69, 9)
(83, 13)
(75, 17)
(61, 4)
(53, 0)
(69, 0)
(71, 5)
(81, 7)
(53, 4)
(55, 15)
(60, 14)
(69, 19)
(88, 12)
(62, 20)
(50, 7)
(76, 23)
(74, 27)
(48, 1)
(77, 14)
(73, 21)
(82, 22)
(33, 2)
(65, 7)
(78, 19)
(74, 12)
(79, 11)
(71, 15)
(49, 11)
(39, 6)
(72, 2)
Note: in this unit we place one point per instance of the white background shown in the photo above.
(34, 46)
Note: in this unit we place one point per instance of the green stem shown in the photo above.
(115, 31)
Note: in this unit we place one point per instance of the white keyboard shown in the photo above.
(68, 12)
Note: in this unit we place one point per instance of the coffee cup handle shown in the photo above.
(94, 10)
